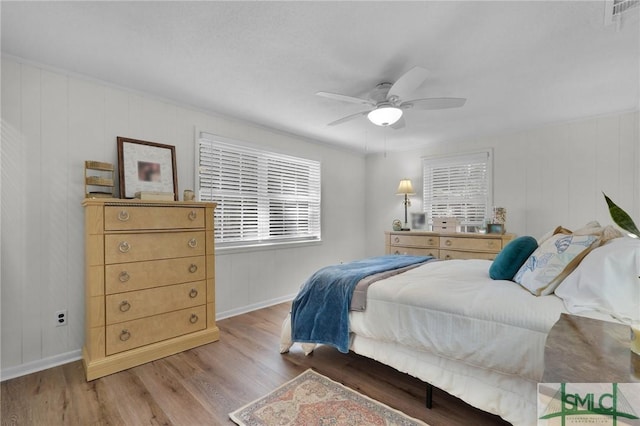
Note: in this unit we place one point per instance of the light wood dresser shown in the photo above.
(149, 281)
(456, 245)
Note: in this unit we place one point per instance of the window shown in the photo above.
(458, 186)
(263, 197)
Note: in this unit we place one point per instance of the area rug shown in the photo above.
(313, 399)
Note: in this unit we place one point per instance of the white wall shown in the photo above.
(51, 124)
(544, 177)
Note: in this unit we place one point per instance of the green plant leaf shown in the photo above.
(621, 218)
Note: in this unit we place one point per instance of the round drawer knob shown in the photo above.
(430, 241)
(447, 257)
(125, 306)
(396, 239)
(447, 243)
(397, 252)
(124, 276)
(123, 215)
(193, 293)
(193, 268)
(193, 243)
(124, 335)
(193, 215)
(124, 247)
(193, 319)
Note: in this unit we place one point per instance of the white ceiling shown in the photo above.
(519, 64)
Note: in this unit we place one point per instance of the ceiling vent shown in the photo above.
(615, 9)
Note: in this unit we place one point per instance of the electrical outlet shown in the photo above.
(61, 318)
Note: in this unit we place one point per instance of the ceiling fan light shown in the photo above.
(385, 115)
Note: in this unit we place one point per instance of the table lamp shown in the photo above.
(405, 188)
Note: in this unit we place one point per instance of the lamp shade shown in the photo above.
(385, 115)
(405, 187)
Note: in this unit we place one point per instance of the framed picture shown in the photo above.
(418, 220)
(146, 166)
(495, 228)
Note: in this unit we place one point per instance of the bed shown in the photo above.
(451, 325)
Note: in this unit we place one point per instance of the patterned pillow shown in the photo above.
(553, 261)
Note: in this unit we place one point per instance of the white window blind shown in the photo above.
(263, 197)
(458, 186)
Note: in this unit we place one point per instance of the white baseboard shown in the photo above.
(39, 365)
(54, 361)
(254, 307)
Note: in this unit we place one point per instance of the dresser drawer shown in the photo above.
(127, 218)
(131, 276)
(133, 334)
(452, 254)
(120, 248)
(414, 251)
(143, 303)
(480, 244)
(414, 240)
(446, 229)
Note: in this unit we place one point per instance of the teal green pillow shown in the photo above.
(512, 257)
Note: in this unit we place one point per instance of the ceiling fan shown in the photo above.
(386, 103)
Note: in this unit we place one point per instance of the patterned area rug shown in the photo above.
(313, 399)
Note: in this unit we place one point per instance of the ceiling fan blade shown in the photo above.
(434, 103)
(345, 98)
(406, 85)
(400, 124)
(347, 118)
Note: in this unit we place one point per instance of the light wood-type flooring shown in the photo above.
(201, 386)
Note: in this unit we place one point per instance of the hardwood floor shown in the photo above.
(201, 386)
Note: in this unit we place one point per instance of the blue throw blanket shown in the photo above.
(320, 311)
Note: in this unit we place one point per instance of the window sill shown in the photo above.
(265, 246)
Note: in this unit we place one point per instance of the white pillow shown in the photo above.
(547, 235)
(605, 233)
(590, 228)
(606, 280)
(553, 261)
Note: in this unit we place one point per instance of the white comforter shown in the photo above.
(454, 310)
(450, 325)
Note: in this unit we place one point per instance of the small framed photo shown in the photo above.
(495, 228)
(146, 166)
(418, 221)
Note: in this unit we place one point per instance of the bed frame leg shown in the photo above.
(429, 401)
